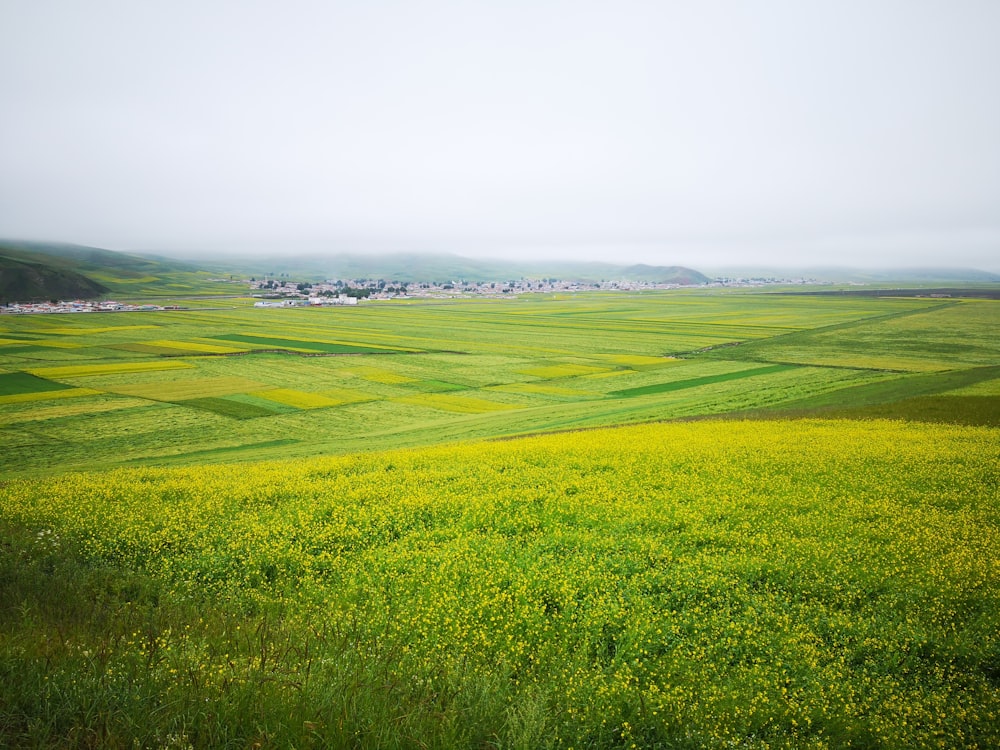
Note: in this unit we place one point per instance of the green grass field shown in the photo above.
(757, 521)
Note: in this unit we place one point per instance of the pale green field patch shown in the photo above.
(348, 396)
(20, 398)
(179, 390)
(67, 331)
(42, 414)
(54, 343)
(542, 390)
(639, 360)
(562, 371)
(108, 368)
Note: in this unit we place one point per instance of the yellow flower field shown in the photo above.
(715, 584)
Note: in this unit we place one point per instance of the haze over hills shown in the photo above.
(33, 270)
(113, 272)
(415, 267)
(835, 274)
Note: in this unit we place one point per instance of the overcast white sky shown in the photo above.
(702, 133)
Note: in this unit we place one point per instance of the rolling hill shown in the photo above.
(31, 271)
(26, 281)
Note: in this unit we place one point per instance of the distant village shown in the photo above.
(272, 292)
(278, 292)
(80, 306)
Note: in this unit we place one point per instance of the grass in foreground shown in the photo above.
(779, 584)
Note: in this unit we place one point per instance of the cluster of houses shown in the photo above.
(289, 294)
(332, 292)
(78, 306)
(311, 301)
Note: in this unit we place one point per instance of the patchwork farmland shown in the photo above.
(155, 387)
(713, 520)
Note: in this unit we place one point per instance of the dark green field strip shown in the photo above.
(22, 348)
(983, 411)
(435, 386)
(897, 389)
(680, 385)
(316, 346)
(228, 408)
(807, 336)
(274, 407)
(13, 383)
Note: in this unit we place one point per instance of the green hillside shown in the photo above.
(24, 281)
(47, 270)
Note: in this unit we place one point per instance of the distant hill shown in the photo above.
(444, 268)
(32, 271)
(27, 281)
(834, 275)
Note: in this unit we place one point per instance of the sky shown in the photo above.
(707, 133)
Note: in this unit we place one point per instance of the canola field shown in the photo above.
(491, 524)
(718, 584)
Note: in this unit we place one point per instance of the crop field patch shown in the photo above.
(947, 408)
(194, 346)
(147, 349)
(108, 368)
(298, 399)
(305, 344)
(93, 331)
(456, 404)
(182, 390)
(386, 377)
(13, 383)
(20, 398)
(349, 396)
(984, 388)
(228, 407)
(551, 372)
(679, 385)
(57, 344)
(437, 386)
(608, 374)
(640, 361)
(544, 390)
(102, 402)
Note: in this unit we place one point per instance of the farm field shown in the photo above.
(244, 383)
(756, 584)
(235, 527)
